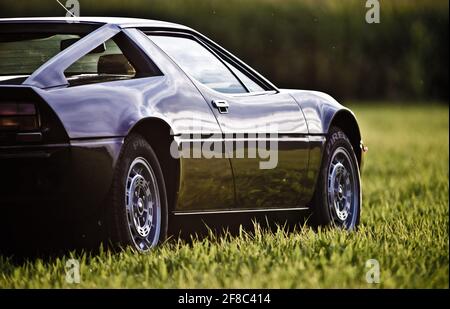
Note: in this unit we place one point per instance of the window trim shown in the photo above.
(223, 56)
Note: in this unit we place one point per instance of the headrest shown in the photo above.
(115, 64)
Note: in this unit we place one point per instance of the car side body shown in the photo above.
(72, 158)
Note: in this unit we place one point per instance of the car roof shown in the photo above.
(122, 22)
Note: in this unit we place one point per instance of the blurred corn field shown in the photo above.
(323, 45)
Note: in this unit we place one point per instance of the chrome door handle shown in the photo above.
(221, 105)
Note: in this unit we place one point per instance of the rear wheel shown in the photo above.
(137, 214)
(337, 198)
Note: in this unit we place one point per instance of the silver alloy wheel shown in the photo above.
(143, 205)
(343, 189)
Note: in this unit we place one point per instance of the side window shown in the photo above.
(113, 60)
(249, 83)
(200, 63)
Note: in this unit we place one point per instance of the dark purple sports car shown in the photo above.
(111, 129)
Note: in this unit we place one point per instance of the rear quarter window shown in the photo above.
(113, 60)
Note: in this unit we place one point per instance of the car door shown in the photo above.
(265, 131)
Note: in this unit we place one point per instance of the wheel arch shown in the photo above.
(346, 121)
(158, 133)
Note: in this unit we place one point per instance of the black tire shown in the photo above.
(329, 209)
(122, 229)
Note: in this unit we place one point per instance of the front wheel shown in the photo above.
(337, 198)
(137, 212)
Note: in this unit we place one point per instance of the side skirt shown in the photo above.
(236, 211)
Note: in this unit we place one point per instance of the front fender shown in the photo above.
(319, 109)
(322, 111)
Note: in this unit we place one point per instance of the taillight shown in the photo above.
(19, 117)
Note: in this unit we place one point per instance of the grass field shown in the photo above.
(404, 226)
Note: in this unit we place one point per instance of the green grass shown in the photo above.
(404, 226)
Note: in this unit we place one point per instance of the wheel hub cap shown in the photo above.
(342, 195)
(143, 205)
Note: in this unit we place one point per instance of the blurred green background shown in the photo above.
(322, 45)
